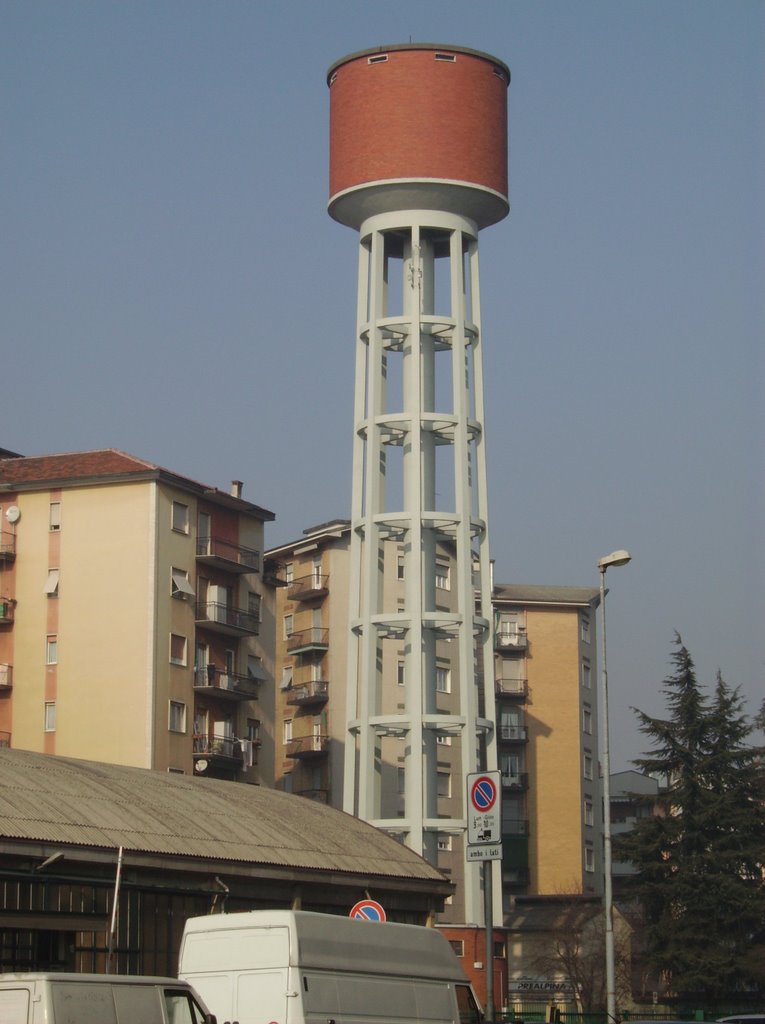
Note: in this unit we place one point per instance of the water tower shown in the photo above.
(418, 165)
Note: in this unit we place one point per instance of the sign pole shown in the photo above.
(489, 923)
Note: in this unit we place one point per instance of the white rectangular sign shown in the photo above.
(488, 851)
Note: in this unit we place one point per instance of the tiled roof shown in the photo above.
(73, 465)
(86, 803)
(105, 464)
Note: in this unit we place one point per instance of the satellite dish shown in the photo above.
(13, 514)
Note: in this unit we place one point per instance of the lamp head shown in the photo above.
(620, 557)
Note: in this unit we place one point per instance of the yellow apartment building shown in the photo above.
(547, 723)
(546, 711)
(130, 612)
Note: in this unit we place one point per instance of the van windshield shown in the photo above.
(182, 1008)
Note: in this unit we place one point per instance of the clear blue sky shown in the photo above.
(172, 285)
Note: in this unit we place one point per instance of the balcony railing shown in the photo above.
(214, 746)
(224, 618)
(313, 639)
(515, 780)
(513, 733)
(515, 826)
(305, 747)
(228, 685)
(314, 692)
(226, 555)
(511, 687)
(321, 796)
(307, 588)
(7, 607)
(511, 641)
(5, 739)
(6, 675)
(7, 546)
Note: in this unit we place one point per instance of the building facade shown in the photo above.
(130, 616)
(544, 674)
(547, 721)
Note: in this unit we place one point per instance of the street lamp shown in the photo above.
(605, 563)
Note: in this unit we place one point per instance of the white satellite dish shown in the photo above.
(13, 514)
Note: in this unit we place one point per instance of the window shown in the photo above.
(442, 576)
(54, 516)
(176, 771)
(177, 649)
(589, 858)
(51, 650)
(400, 568)
(443, 741)
(287, 730)
(288, 626)
(180, 517)
(401, 774)
(586, 629)
(289, 572)
(444, 784)
(589, 815)
(400, 673)
(458, 945)
(179, 584)
(444, 843)
(586, 679)
(51, 584)
(286, 682)
(253, 730)
(50, 716)
(253, 604)
(587, 720)
(176, 720)
(443, 679)
(587, 766)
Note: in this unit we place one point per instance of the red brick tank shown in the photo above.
(418, 126)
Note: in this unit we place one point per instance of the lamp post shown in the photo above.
(605, 563)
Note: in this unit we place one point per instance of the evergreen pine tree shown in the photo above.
(700, 860)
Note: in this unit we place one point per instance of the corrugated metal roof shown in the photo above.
(86, 803)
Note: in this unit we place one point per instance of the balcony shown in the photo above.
(306, 748)
(308, 588)
(6, 677)
(5, 739)
(512, 733)
(320, 796)
(304, 694)
(515, 827)
(223, 618)
(313, 639)
(7, 546)
(224, 554)
(213, 752)
(515, 781)
(7, 607)
(510, 642)
(212, 682)
(511, 687)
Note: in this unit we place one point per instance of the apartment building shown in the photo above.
(309, 593)
(547, 722)
(546, 711)
(130, 612)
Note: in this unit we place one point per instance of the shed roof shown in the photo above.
(90, 804)
(535, 594)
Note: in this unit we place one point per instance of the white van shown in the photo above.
(98, 999)
(296, 967)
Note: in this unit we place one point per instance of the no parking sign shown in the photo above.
(483, 805)
(368, 910)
